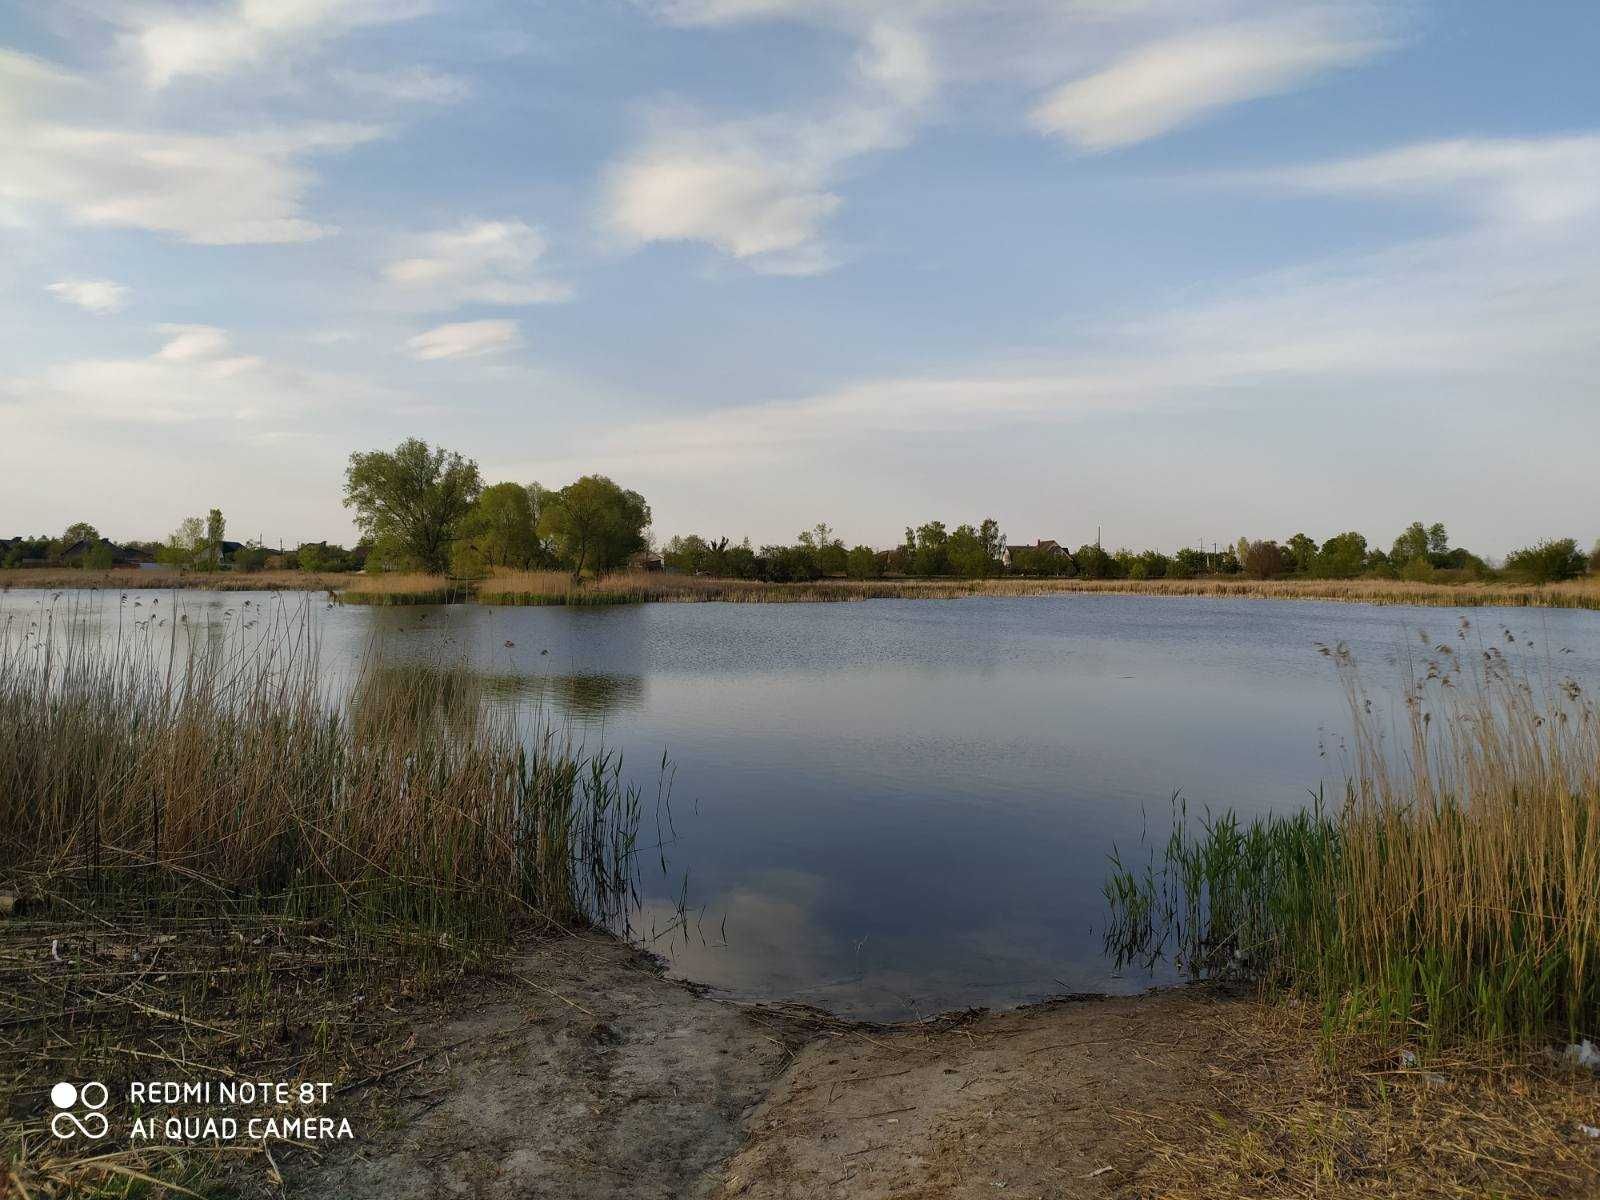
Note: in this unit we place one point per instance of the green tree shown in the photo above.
(735, 562)
(186, 544)
(828, 549)
(790, 564)
(411, 501)
(313, 557)
(1342, 556)
(1262, 560)
(966, 553)
(1430, 544)
(98, 558)
(595, 523)
(1154, 565)
(499, 530)
(689, 553)
(215, 527)
(1030, 560)
(994, 543)
(1302, 552)
(1189, 562)
(1548, 561)
(928, 549)
(79, 531)
(1094, 563)
(863, 563)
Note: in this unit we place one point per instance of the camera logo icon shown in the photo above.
(66, 1123)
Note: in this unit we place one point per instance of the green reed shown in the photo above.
(230, 768)
(1453, 894)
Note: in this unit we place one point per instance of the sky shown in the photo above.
(1177, 270)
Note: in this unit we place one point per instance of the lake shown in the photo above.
(892, 808)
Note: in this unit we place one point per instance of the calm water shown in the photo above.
(896, 807)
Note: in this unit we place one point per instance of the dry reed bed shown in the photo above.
(236, 765)
(633, 587)
(1453, 895)
(130, 579)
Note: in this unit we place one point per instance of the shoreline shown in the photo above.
(569, 1064)
(654, 1088)
(657, 588)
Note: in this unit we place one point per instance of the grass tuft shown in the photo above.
(1453, 896)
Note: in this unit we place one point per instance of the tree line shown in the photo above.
(427, 509)
(970, 551)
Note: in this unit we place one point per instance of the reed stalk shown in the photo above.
(1453, 894)
(234, 767)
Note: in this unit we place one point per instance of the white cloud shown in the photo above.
(1527, 181)
(466, 339)
(209, 189)
(413, 85)
(1178, 80)
(191, 343)
(761, 190)
(193, 376)
(98, 296)
(171, 43)
(481, 262)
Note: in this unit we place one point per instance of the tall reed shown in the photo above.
(235, 769)
(1455, 892)
(386, 588)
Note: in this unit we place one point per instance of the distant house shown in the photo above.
(1048, 547)
(120, 556)
(645, 560)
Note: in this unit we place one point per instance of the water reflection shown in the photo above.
(895, 807)
(584, 698)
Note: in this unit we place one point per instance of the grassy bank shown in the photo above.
(636, 587)
(215, 866)
(401, 588)
(128, 579)
(1452, 895)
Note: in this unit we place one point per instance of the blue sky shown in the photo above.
(1181, 269)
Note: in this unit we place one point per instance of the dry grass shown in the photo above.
(621, 587)
(627, 587)
(129, 579)
(1577, 593)
(556, 587)
(407, 796)
(1453, 896)
(398, 588)
(1374, 1122)
(216, 992)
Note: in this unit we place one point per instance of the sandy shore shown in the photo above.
(602, 1079)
